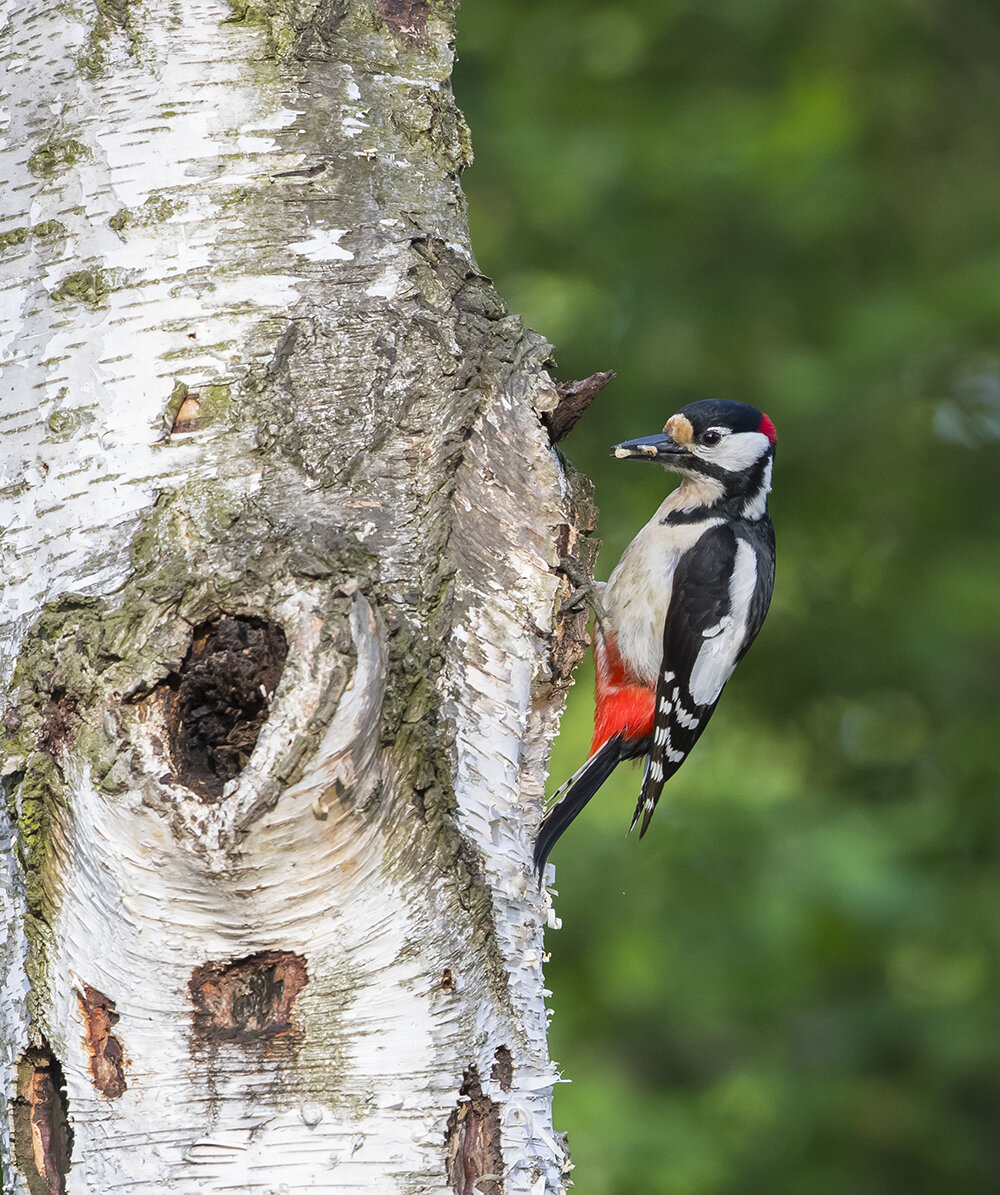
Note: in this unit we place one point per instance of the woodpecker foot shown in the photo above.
(585, 593)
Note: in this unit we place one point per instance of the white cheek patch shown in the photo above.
(737, 451)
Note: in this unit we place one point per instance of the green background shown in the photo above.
(790, 985)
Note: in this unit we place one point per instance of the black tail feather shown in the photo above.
(578, 790)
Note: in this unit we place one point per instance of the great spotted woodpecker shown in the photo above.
(681, 607)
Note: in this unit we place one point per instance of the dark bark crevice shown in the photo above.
(42, 1134)
(219, 700)
(474, 1159)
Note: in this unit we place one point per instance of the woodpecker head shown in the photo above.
(726, 446)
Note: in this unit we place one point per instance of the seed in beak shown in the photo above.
(623, 452)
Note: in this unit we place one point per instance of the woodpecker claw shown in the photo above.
(573, 570)
(586, 592)
(585, 595)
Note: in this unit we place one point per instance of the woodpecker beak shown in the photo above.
(660, 448)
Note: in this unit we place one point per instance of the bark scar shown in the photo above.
(246, 1000)
(188, 418)
(407, 17)
(43, 1137)
(57, 728)
(503, 1068)
(107, 1059)
(473, 1156)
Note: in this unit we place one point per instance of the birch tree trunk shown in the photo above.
(280, 532)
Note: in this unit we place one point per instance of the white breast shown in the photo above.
(637, 594)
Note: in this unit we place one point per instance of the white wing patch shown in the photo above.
(717, 657)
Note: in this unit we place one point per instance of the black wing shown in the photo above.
(721, 590)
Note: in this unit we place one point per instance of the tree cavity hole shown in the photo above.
(220, 699)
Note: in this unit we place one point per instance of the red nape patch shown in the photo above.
(767, 428)
(627, 710)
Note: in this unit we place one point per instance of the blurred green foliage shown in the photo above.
(790, 986)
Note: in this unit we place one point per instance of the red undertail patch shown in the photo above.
(622, 706)
(627, 711)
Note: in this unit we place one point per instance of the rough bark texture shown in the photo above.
(281, 527)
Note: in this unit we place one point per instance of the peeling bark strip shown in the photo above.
(43, 1138)
(472, 1141)
(247, 1000)
(106, 1055)
(218, 702)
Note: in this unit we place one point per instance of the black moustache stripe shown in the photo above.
(738, 488)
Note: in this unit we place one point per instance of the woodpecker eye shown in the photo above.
(710, 439)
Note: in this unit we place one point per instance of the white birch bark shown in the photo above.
(250, 372)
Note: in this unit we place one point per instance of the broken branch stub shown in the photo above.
(574, 399)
